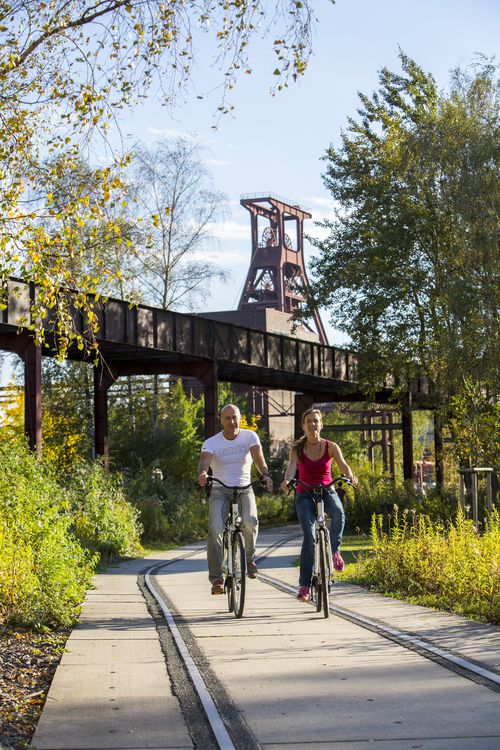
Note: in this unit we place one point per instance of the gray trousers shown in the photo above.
(218, 508)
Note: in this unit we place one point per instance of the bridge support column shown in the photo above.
(33, 396)
(207, 374)
(303, 401)
(102, 381)
(407, 435)
(31, 354)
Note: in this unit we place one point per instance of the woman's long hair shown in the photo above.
(299, 444)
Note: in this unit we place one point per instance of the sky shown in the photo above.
(275, 144)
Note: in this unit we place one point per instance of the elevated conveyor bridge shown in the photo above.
(148, 340)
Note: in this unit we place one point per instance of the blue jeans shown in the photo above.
(306, 512)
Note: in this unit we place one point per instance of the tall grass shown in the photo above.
(451, 567)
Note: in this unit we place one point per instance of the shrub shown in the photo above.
(275, 509)
(44, 571)
(104, 521)
(378, 493)
(451, 567)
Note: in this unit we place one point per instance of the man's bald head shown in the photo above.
(230, 408)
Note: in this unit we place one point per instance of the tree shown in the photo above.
(475, 417)
(410, 268)
(177, 206)
(66, 68)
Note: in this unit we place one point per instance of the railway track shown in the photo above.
(196, 667)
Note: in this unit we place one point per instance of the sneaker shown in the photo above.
(338, 562)
(218, 587)
(252, 571)
(303, 595)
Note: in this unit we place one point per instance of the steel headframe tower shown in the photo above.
(277, 276)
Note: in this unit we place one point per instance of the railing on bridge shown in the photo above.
(190, 336)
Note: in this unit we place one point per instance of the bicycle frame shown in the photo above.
(322, 574)
(234, 551)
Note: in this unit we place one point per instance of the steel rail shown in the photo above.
(214, 718)
(213, 715)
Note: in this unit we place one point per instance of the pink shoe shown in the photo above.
(338, 562)
(303, 595)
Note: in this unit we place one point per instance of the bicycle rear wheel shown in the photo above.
(238, 578)
(325, 574)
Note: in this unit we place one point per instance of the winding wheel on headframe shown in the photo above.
(277, 277)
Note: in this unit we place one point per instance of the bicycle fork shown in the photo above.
(236, 521)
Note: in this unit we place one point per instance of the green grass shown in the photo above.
(352, 546)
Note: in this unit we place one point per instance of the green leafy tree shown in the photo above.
(66, 68)
(475, 417)
(410, 268)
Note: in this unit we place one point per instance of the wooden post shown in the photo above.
(407, 430)
(438, 449)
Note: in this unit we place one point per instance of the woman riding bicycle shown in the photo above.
(312, 455)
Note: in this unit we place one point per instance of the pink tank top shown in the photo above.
(315, 472)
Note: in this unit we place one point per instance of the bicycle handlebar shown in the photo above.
(292, 483)
(232, 487)
(211, 480)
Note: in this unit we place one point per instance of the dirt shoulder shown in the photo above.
(28, 661)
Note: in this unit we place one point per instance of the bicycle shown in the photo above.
(235, 561)
(322, 575)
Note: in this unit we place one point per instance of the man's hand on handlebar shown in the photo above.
(202, 478)
(267, 482)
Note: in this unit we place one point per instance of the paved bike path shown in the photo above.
(111, 689)
(301, 681)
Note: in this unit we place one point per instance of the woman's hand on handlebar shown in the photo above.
(352, 481)
(286, 485)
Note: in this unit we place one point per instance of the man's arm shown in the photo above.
(260, 462)
(203, 466)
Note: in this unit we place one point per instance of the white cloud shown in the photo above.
(171, 133)
(217, 163)
(231, 230)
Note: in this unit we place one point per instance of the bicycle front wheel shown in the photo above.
(325, 577)
(238, 579)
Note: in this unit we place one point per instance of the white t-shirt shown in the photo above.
(231, 459)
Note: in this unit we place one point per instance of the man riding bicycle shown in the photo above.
(230, 454)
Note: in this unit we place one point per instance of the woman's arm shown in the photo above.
(335, 453)
(290, 469)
